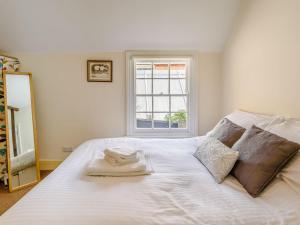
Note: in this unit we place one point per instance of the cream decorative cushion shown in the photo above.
(216, 157)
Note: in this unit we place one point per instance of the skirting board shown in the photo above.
(49, 164)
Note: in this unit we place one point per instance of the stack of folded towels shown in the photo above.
(120, 162)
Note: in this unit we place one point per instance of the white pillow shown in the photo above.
(247, 119)
(289, 129)
(216, 157)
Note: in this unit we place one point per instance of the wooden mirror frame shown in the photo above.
(11, 188)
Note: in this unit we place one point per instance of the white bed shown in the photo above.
(179, 192)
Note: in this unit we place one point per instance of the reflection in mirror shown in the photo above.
(21, 133)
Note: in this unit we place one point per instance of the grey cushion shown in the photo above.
(262, 156)
(227, 132)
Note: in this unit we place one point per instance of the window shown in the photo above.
(161, 95)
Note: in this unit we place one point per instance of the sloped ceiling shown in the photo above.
(114, 25)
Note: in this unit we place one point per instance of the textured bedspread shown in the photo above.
(179, 192)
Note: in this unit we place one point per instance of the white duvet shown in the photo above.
(179, 192)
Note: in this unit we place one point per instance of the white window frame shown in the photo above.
(192, 123)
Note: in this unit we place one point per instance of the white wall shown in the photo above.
(25, 141)
(261, 67)
(209, 91)
(71, 110)
(23, 118)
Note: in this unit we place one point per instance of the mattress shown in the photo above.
(179, 192)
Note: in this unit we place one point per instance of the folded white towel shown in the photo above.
(117, 162)
(127, 174)
(100, 167)
(121, 153)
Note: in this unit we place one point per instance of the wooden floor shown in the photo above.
(7, 199)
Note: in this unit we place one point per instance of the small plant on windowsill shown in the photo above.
(178, 118)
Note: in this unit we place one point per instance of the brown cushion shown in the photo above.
(262, 156)
(227, 132)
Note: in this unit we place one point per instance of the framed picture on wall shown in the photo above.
(99, 70)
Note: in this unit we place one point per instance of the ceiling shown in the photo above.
(115, 25)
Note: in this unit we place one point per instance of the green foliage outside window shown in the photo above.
(178, 117)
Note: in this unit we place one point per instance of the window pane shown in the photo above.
(161, 104)
(143, 86)
(143, 70)
(178, 103)
(161, 120)
(160, 70)
(178, 86)
(178, 119)
(143, 120)
(144, 104)
(178, 70)
(160, 86)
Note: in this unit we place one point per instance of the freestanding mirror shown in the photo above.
(21, 138)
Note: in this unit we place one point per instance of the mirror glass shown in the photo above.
(21, 134)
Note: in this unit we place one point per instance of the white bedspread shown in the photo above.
(179, 192)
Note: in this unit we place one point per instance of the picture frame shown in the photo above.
(99, 70)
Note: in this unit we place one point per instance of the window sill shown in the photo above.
(161, 135)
